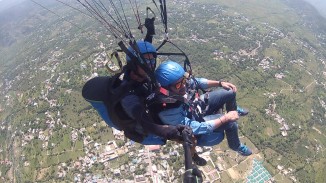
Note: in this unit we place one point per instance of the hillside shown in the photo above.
(274, 51)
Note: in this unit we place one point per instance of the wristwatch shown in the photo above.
(220, 83)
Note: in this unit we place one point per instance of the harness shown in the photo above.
(198, 105)
(111, 91)
(163, 100)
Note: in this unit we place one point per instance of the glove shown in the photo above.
(188, 136)
(149, 24)
(185, 129)
(175, 132)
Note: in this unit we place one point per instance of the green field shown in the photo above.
(45, 61)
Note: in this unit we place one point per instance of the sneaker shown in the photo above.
(244, 150)
(199, 160)
(242, 112)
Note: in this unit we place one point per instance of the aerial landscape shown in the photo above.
(273, 51)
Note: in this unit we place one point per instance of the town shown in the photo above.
(49, 133)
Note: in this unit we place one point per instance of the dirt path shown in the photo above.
(12, 154)
(318, 131)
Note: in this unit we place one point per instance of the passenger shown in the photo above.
(210, 130)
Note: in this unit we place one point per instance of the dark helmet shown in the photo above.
(169, 72)
(144, 47)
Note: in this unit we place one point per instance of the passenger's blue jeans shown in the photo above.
(220, 97)
(230, 129)
(216, 100)
(102, 111)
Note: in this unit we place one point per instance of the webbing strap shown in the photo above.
(164, 91)
(149, 9)
(164, 15)
(198, 87)
(116, 55)
(163, 43)
(186, 61)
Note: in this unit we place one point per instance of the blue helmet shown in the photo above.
(169, 72)
(144, 47)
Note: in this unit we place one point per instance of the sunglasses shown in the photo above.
(151, 61)
(180, 83)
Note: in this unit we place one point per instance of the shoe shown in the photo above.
(244, 150)
(242, 112)
(199, 160)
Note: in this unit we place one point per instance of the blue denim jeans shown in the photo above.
(217, 98)
(102, 111)
(230, 129)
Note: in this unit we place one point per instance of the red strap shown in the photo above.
(164, 91)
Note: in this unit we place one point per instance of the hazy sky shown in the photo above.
(5, 4)
(320, 5)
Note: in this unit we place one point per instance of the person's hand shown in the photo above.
(184, 128)
(175, 132)
(229, 86)
(231, 116)
(149, 24)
